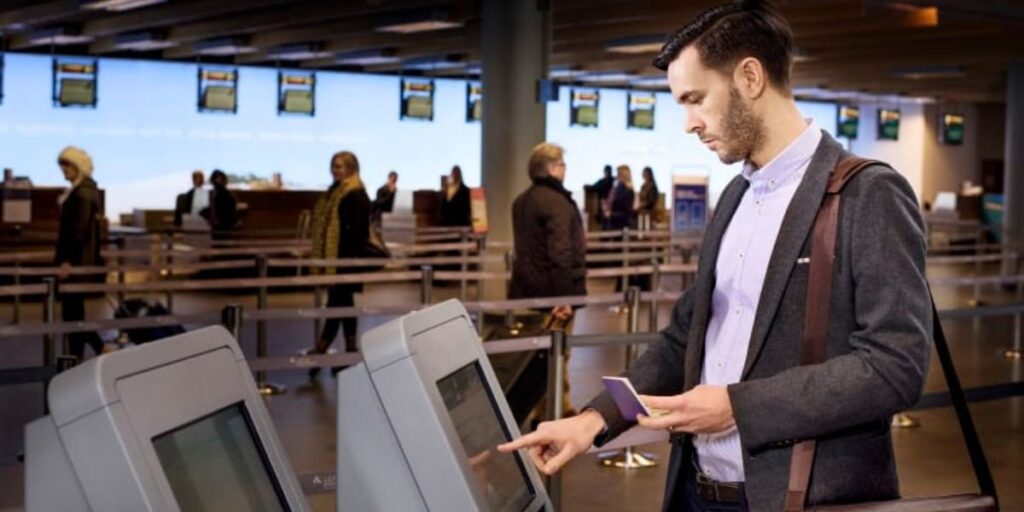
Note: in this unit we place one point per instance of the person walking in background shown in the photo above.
(78, 241)
(602, 187)
(341, 229)
(194, 201)
(619, 206)
(550, 245)
(648, 195)
(222, 214)
(455, 205)
(385, 201)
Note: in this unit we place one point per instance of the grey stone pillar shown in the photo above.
(515, 46)
(1013, 172)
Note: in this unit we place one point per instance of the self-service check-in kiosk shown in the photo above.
(419, 420)
(176, 425)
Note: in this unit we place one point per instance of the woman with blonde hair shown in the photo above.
(620, 201)
(341, 229)
(78, 240)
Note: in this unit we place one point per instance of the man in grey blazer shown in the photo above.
(727, 369)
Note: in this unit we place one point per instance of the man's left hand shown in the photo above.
(702, 410)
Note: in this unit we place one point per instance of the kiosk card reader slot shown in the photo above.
(171, 426)
(419, 421)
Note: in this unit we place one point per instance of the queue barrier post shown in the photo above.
(556, 407)
(266, 387)
(427, 285)
(629, 458)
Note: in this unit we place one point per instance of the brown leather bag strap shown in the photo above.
(816, 319)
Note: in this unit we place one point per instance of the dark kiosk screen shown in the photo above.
(215, 464)
(501, 476)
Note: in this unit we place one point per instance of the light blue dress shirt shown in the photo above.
(739, 275)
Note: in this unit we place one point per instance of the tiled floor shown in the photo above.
(931, 457)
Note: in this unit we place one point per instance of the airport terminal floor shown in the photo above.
(931, 457)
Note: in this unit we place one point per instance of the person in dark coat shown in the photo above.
(619, 207)
(550, 245)
(222, 214)
(455, 205)
(602, 187)
(78, 240)
(341, 229)
(385, 201)
(648, 193)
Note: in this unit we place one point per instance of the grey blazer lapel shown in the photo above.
(705, 283)
(796, 227)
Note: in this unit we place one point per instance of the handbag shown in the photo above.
(813, 351)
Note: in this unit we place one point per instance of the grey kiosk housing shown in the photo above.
(419, 420)
(171, 426)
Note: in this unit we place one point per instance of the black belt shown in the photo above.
(710, 489)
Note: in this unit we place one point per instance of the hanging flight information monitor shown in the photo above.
(952, 129)
(640, 110)
(888, 124)
(217, 90)
(583, 107)
(417, 99)
(74, 82)
(847, 121)
(296, 92)
(474, 107)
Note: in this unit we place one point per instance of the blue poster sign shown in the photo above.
(689, 204)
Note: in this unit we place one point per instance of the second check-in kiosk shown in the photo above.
(419, 420)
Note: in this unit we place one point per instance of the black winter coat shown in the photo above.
(78, 237)
(550, 245)
(457, 211)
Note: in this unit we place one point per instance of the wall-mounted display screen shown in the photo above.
(74, 82)
(584, 107)
(640, 110)
(888, 124)
(951, 129)
(296, 93)
(218, 90)
(417, 99)
(474, 106)
(847, 122)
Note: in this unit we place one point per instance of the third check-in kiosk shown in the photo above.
(419, 420)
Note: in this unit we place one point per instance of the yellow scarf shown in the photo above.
(326, 224)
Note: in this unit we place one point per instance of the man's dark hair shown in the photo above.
(726, 34)
(608, 170)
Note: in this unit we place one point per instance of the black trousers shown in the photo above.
(341, 296)
(73, 310)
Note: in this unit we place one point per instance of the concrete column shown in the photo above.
(1013, 172)
(516, 43)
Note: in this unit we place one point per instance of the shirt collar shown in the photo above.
(787, 163)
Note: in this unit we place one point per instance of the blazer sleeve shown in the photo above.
(884, 371)
(658, 371)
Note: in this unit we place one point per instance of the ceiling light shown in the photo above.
(434, 63)
(928, 72)
(413, 22)
(224, 46)
(562, 72)
(302, 51)
(118, 5)
(58, 36)
(367, 57)
(656, 81)
(636, 44)
(142, 42)
(608, 77)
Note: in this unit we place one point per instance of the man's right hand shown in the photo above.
(555, 443)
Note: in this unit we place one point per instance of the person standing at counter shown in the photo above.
(619, 207)
(648, 193)
(78, 241)
(341, 229)
(385, 201)
(455, 202)
(192, 202)
(222, 214)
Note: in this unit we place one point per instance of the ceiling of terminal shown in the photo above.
(948, 49)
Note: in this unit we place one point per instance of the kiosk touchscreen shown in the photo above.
(176, 425)
(419, 421)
